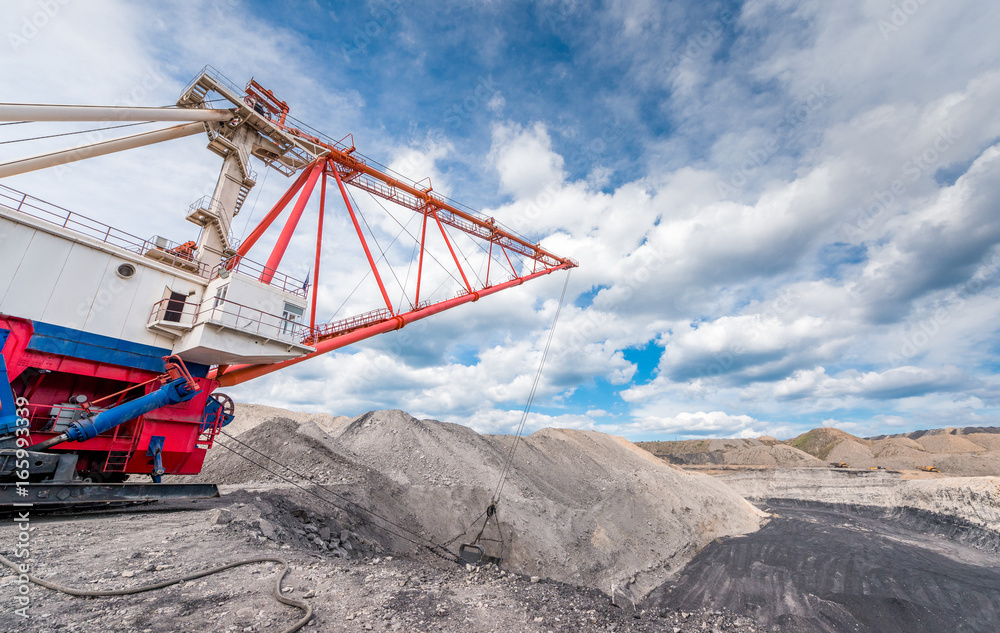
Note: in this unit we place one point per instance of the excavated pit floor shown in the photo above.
(818, 568)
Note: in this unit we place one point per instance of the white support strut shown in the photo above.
(45, 112)
(98, 149)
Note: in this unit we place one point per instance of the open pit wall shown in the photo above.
(975, 500)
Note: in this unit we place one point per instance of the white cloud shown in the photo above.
(525, 160)
(900, 382)
(810, 235)
(701, 423)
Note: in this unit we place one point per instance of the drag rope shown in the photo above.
(418, 540)
(100, 129)
(531, 396)
(491, 509)
(166, 583)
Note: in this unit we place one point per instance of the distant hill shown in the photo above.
(763, 451)
(970, 451)
(969, 430)
(822, 441)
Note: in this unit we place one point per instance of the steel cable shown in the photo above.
(531, 395)
(418, 540)
(99, 129)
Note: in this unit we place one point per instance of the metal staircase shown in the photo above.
(208, 212)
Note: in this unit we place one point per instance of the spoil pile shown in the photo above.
(763, 451)
(948, 444)
(821, 442)
(851, 452)
(970, 452)
(579, 507)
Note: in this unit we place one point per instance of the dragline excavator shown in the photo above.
(114, 345)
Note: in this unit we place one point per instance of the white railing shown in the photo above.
(159, 248)
(167, 251)
(185, 315)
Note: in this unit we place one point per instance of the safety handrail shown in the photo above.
(165, 250)
(222, 311)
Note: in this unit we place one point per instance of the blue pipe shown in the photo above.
(8, 408)
(170, 393)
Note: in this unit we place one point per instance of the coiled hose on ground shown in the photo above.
(166, 583)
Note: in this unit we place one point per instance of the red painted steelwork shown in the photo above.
(273, 106)
(55, 378)
(451, 250)
(238, 374)
(289, 229)
(420, 266)
(357, 173)
(275, 211)
(364, 243)
(319, 250)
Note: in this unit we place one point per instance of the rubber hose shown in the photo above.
(166, 583)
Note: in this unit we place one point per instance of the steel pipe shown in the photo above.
(86, 429)
(46, 112)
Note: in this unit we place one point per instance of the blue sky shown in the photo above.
(786, 213)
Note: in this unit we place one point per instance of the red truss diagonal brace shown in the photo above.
(355, 172)
(238, 374)
(289, 229)
(364, 243)
(451, 250)
(275, 211)
(319, 250)
(350, 169)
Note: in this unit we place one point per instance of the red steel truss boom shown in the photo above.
(346, 168)
(356, 172)
(237, 374)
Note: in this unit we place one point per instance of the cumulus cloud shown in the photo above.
(900, 382)
(714, 423)
(525, 160)
(803, 241)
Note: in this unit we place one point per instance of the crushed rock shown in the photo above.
(579, 507)
(364, 592)
(763, 451)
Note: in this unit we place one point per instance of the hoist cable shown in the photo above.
(427, 251)
(505, 471)
(417, 538)
(100, 129)
(253, 207)
(375, 239)
(369, 271)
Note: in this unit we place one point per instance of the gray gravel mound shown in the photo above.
(579, 507)
(763, 451)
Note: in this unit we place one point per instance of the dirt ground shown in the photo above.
(588, 518)
(362, 590)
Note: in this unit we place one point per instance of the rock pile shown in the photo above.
(763, 451)
(579, 507)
